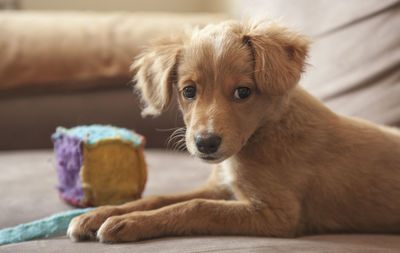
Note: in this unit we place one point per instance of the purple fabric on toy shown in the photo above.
(70, 158)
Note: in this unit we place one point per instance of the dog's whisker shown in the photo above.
(176, 139)
(180, 140)
(173, 146)
(176, 136)
(182, 147)
(179, 143)
(168, 129)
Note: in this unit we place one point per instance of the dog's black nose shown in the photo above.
(207, 144)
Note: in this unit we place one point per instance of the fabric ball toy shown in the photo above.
(99, 165)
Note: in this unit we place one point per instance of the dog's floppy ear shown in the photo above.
(156, 72)
(279, 56)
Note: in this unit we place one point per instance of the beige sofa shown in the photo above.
(353, 68)
(169, 172)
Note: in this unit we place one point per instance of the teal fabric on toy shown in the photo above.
(46, 227)
(94, 133)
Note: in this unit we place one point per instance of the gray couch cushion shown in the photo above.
(355, 59)
(27, 193)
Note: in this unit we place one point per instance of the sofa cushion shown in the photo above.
(27, 191)
(354, 60)
(39, 48)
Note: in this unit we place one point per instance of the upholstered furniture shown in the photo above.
(73, 68)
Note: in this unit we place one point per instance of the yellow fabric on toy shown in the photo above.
(113, 172)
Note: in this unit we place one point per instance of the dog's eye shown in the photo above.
(189, 92)
(242, 93)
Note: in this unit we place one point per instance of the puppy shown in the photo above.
(285, 165)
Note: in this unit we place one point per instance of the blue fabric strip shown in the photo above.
(42, 228)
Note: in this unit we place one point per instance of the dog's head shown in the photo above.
(231, 79)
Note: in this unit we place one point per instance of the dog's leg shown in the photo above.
(84, 227)
(200, 217)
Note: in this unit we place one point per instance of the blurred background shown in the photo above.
(66, 63)
(125, 5)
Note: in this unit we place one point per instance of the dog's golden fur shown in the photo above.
(286, 165)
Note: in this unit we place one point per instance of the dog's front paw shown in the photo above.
(85, 226)
(125, 228)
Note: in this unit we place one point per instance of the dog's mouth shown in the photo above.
(211, 158)
(208, 158)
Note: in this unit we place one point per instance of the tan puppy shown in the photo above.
(285, 164)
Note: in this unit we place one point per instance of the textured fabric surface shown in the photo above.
(46, 227)
(69, 158)
(113, 172)
(95, 133)
(355, 58)
(27, 193)
(78, 45)
(235, 244)
(88, 155)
